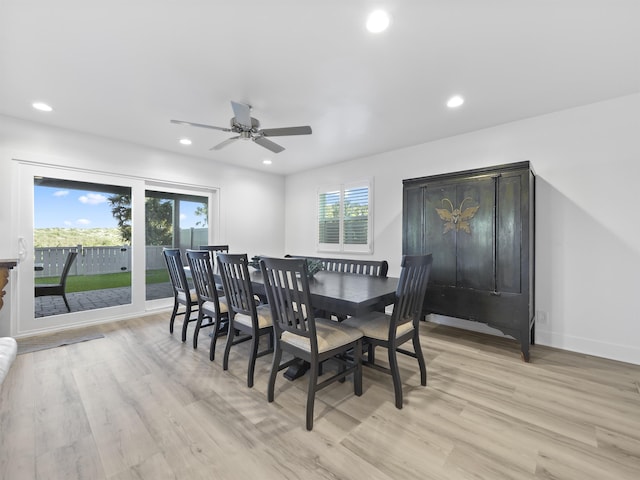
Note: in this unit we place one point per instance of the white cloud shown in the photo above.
(83, 221)
(68, 223)
(182, 216)
(61, 193)
(93, 198)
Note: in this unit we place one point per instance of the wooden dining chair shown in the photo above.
(391, 331)
(213, 251)
(210, 305)
(373, 268)
(182, 294)
(247, 321)
(301, 334)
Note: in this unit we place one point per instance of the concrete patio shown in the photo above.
(92, 299)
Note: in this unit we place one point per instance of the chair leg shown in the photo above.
(64, 297)
(423, 367)
(311, 392)
(357, 375)
(173, 316)
(371, 353)
(196, 333)
(187, 314)
(395, 374)
(253, 354)
(214, 339)
(275, 367)
(342, 366)
(227, 347)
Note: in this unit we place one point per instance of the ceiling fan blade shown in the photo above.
(228, 141)
(268, 144)
(202, 125)
(242, 113)
(280, 132)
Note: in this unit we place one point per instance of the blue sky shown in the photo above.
(63, 208)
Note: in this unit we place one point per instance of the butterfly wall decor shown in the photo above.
(457, 218)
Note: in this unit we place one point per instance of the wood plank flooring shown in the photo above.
(140, 404)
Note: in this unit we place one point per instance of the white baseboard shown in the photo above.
(587, 346)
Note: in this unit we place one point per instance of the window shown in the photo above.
(344, 221)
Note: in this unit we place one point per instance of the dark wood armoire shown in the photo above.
(479, 226)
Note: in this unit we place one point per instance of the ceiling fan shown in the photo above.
(248, 128)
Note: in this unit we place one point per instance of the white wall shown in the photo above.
(587, 162)
(251, 202)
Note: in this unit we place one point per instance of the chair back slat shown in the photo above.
(202, 275)
(237, 282)
(287, 287)
(176, 270)
(411, 289)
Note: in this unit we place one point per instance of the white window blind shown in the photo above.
(344, 218)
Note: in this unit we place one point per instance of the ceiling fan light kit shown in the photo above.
(248, 128)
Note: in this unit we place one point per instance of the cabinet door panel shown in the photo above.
(439, 239)
(413, 222)
(476, 242)
(509, 234)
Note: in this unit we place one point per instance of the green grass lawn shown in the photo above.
(82, 283)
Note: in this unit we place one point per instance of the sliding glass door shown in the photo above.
(117, 226)
(172, 220)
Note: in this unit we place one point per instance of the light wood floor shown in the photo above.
(141, 404)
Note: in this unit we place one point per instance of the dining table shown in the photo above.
(342, 293)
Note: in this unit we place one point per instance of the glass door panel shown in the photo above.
(172, 220)
(86, 218)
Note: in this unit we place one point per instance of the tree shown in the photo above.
(121, 211)
(158, 214)
(159, 221)
(202, 211)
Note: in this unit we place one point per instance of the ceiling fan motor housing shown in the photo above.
(239, 128)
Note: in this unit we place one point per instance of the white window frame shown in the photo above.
(341, 246)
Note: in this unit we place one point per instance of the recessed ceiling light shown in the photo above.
(43, 107)
(455, 101)
(378, 21)
(267, 162)
(185, 141)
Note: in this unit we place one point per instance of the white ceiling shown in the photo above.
(123, 69)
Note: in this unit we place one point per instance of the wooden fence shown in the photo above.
(99, 260)
(94, 260)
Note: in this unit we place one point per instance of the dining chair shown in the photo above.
(182, 293)
(58, 289)
(373, 268)
(247, 321)
(214, 250)
(301, 334)
(392, 330)
(210, 305)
